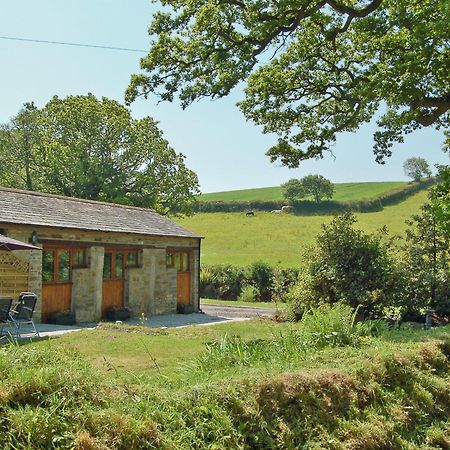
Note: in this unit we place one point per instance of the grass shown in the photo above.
(343, 192)
(268, 305)
(320, 384)
(234, 238)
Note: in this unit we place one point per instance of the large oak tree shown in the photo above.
(314, 68)
(81, 146)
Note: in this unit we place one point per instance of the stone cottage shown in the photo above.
(96, 256)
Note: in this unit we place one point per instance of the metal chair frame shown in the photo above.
(22, 313)
(5, 310)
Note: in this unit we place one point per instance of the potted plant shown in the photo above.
(121, 313)
(63, 318)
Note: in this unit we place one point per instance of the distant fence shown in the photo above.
(306, 207)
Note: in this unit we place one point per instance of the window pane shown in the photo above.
(169, 259)
(63, 265)
(132, 259)
(107, 266)
(178, 261)
(185, 262)
(78, 258)
(118, 266)
(48, 259)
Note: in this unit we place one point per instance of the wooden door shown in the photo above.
(113, 280)
(181, 262)
(56, 281)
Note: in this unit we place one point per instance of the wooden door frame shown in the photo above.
(125, 251)
(183, 272)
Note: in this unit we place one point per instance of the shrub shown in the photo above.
(282, 281)
(227, 281)
(260, 275)
(350, 266)
(249, 293)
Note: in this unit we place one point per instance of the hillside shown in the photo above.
(233, 238)
(343, 192)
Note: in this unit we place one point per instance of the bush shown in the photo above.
(228, 281)
(349, 266)
(282, 281)
(306, 207)
(261, 276)
(249, 293)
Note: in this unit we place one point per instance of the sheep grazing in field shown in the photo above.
(276, 211)
(250, 213)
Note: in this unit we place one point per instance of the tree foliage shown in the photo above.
(427, 263)
(84, 147)
(315, 185)
(416, 168)
(313, 68)
(440, 199)
(346, 265)
(292, 189)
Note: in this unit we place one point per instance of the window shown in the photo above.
(48, 265)
(179, 260)
(57, 264)
(63, 265)
(118, 266)
(107, 266)
(79, 258)
(170, 262)
(132, 259)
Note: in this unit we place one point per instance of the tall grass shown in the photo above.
(384, 395)
(325, 326)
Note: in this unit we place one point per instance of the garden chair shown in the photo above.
(22, 314)
(5, 308)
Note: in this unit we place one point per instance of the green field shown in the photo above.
(233, 238)
(343, 192)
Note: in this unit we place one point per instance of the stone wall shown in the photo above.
(165, 295)
(195, 288)
(140, 285)
(87, 287)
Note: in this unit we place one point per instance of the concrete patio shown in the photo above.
(161, 321)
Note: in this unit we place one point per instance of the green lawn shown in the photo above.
(134, 351)
(343, 192)
(234, 238)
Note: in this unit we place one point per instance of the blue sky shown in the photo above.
(226, 151)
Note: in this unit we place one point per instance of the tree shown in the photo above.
(440, 198)
(416, 168)
(292, 189)
(84, 147)
(315, 185)
(427, 263)
(17, 140)
(313, 68)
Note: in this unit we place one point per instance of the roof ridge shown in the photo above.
(76, 199)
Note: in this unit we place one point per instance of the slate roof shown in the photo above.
(35, 208)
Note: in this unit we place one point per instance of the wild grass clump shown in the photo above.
(390, 398)
(325, 326)
(51, 397)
